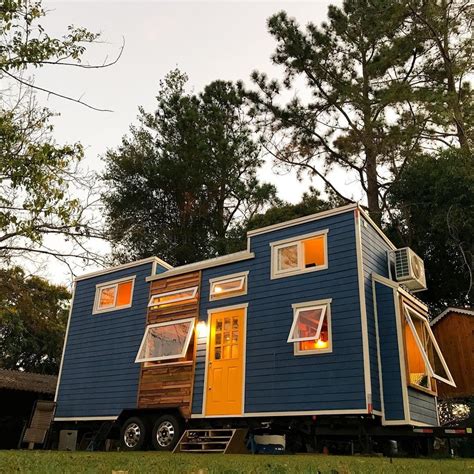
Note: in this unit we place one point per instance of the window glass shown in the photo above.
(417, 370)
(321, 343)
(232, 286)
(113, 295)
(166, 341)
(288, 257)
(308, 323)
(310, 331)
(302, 255)
(314, 252)
(107, 297)
(424, 358)
(124, 293)
(173, 297)
(226, 339)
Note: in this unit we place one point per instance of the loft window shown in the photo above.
(113, 295)
(424, 358)
(165, 341)
(303, 254)
(173, 297)
(310, 332)
(228, 286)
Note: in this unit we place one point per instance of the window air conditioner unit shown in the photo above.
(409, 269)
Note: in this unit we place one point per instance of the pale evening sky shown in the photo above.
(208, 40)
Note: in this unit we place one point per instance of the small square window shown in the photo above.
(304, 254)
(113, 295)
(311, 329)
(228, 286)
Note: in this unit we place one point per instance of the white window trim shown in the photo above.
(112, 284)
(242, 290)
(312, 304)
(275, 246)
(194, 290)
(167, 323)
(409, 311)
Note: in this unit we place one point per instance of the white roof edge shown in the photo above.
(452, 309)
(212, 262)
(302, 220)
(124, 266)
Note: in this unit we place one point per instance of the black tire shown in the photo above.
(166, 432)
(133, 434)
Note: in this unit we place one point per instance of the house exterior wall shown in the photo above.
(374, 260)
(422, 407)
(391, 375)
(275, 379)
(99, 376)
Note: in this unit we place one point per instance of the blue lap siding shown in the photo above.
(422, 407)
(99, 375)
(374, 258)
(389, 353)
(277, 380)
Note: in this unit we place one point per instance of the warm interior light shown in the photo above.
(202, 329)
(320, 344)
(217, 289)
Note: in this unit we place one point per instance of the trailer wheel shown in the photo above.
(133, 434)
(166, 432)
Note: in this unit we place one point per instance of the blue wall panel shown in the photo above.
(422, 407)
(389, 352)
(99, 376)
(374, 257)
(276, 379)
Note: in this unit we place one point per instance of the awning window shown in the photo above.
(163, 341)
(431, 357)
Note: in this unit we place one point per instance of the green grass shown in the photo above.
(81, 462)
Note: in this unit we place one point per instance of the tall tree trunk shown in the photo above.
(370, 153)
(453, 103)
(453, 94)
(373, 187)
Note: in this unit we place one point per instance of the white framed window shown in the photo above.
(424, 357)
(164, 341)
(228, 286)
(310, 331)
(113, 295)
(172, 297)
(306, 253)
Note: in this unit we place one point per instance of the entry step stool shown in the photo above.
(225, 441)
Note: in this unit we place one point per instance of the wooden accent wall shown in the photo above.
(455, 336)
(171, 384)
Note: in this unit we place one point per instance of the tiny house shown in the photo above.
(316, 320)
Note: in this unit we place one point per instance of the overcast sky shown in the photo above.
(208, 40)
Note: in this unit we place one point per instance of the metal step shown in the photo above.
(212, 441)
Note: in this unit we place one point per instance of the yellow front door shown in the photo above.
(225, 367)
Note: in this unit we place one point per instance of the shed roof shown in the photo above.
(451, 309)
(27, 381)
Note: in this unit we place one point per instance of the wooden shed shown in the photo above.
(454, 331)
(18, 393)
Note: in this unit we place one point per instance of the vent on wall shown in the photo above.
(409, 269)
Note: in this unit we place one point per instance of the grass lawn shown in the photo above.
(78, 462)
